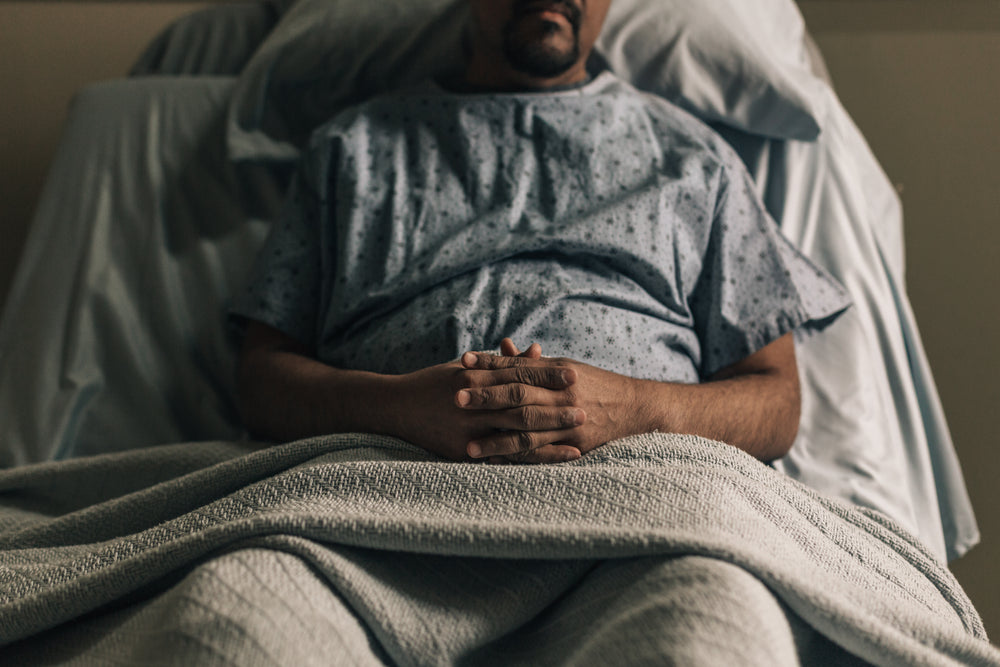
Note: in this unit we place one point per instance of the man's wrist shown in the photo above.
(650, 401)
(382, 404)
(356, 401)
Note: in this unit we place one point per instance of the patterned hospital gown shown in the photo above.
(603, 223)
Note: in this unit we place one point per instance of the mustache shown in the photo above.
(568, 8)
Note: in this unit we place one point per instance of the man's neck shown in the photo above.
(484, 74)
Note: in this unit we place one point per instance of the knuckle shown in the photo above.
(470, 380)
(483, 396)
(517, 393)
(571, 397)
(520, 457)
(524, 442)
(527, 419)
(556, 377)
(506, 363)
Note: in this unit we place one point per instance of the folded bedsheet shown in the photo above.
(366, 550)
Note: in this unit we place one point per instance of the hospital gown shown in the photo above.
(601, 222)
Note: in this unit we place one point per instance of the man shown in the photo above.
(527, 201)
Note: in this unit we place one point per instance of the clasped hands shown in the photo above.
(516, 407)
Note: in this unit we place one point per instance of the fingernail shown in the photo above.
(579, 417)
(474, 450)
(469, 359)
(463, 398)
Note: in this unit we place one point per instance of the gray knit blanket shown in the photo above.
(355, 549)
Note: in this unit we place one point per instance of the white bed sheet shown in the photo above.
(114, 334)
(873, 430)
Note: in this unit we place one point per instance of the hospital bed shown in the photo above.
(115, 348)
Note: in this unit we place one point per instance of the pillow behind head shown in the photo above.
(325, 55)
(740, 62)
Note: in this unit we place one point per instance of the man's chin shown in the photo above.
(539, 47)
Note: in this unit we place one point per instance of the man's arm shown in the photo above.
(753, 405)
(285, 394)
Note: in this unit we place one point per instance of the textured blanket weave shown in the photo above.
(362, 517)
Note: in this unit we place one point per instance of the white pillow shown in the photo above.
(741, 62)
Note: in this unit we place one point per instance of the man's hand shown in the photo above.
(429, 412)
(607, 400)
(545, 453)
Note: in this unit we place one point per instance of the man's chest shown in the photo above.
(442, 187)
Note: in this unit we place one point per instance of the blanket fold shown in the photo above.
(375, 521)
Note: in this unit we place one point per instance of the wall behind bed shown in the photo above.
(919, 77)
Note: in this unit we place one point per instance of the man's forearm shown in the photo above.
(285, 396)
(757, 412)
(487, 405)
